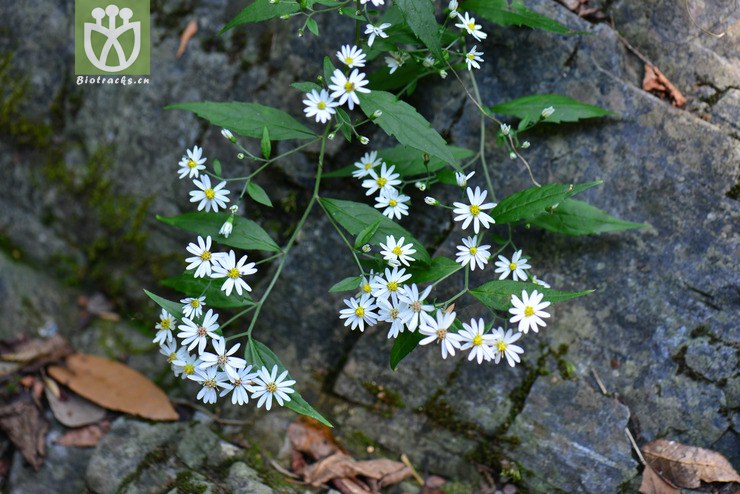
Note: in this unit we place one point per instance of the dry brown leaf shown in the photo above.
(658, 84)
(687, 466)
(114, 386)
(312, 438)
(84, 437)
(37, 352)
(652, 483)
(340, 465)
(190, 30)
(71, 410)
(25, 427)
(350, 486)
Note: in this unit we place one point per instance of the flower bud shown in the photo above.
(364, 140)
(512, 155)
(377, 114)
(421, 186)
(241, 156)
(331, 136)
(525, 144)
(234, 208)
(548, 111)
(227, 227)
(443, 74)
(505, 129)
(366, 248)
(431, 201)
(228, 135)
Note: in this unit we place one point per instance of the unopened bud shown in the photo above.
(300, 33)
(364, 140)
(421, 186)
(241, 156)
(525, 144)
(234, 209)
(548, 111)
(366, 248)
(228, 135)
(331, 136)
(285, 17)
(377, 114)
(505, 129)
(512, 155)
(431, 201)
(443, 74)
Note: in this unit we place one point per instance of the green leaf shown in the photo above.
(366, 234)
(566, 109)
(345, 122)
(403, 345)
(306, 87)
(312, 26)
(503, 13)
(248, 119)
(574, 217)
(174, 308)
(262, 10)
(260, 355)
(265, 145)
(328, 70)
(355, 217)
(497, 294)
(351, 284)
(410, 162)
(419, 15)
(198, 287)
(217, 168)
(246, 234)
(328, 3)
(439, 268)
(401, 120)
(257, 193)
(530, 203)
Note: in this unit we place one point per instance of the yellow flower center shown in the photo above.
(349, 86)
(393, 203)
(441, 334)
(192, 164)
(394, 313)
(164, 324)
(477, 340)
(171, 357)
(382, 181)
(210, 193)
(195, 303)
(349, 60)
(397, 250)
(202, 332)
(471, 26)
(474, 209)
(501, 346)
(512, 266)
(222, 359)
(529, 311)
(360, 312)
(189, 369)
(321, 105)
(392, 286)
(209, 383)
(473, 250)
(234, 273)
(237, 382)
(271, 387)
(368, 166)
(367, 288)
(471, 56)
(205, 256)
(416, 306)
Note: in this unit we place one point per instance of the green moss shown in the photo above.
(256, 459)
(154, 457)
(13, 92)
(459, 488)
(185, 484)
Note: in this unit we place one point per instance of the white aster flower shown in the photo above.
(474, 212)
(438, 330)
(238, 386)
(395, 312)
(203, 258)
(359, 312)
(185, 364)
(319, 105)
(194, 334)
(462, 179)
(386, 180)
(374, 31)
(267, 385)
(209, 197)
(346, 88)
(548, 112)
(169, 350)
(193, 306)
(453, 8)
(540, 282)
(164, 328)
(375, 2)
(528, 311)
(503, 346)
(365, 283)
(227, 227)
(351, 56)
(231, 270)
(393, 250)
(223, 358)
(396, 60)
(473, 57)
(416, 303)
(428, 61)
(473, 336)
(368, 161)
(472, 253)
(394, 203)
(391, 285)
(192, 164)
(468, 23)
(516, 267)
(211, 379)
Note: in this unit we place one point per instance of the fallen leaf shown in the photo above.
(71, 410)
(84, 437)
(25, 427)
(658, 84)
(312, 438)
(687, 466)
(37, 352)
(190, 30)
(340, 465)
(114, 386)
(652, 483)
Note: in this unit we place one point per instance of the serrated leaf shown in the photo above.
(514, 13)
(566, 109)
(366, 234)
(265, 144)
(217, 168)
(404, 345)
(260, 355)
(306, 87)
(312, 26)
(174, 308)
(351, 284)
(262, 10)
(439, 268)
(497, 294)
(403, 122)
(210, 288)
(248, 119)
(355, 217)
(534, 201)
(246, 234)
(573, 217)
(419, 15)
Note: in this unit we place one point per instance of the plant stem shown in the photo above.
(482, 149)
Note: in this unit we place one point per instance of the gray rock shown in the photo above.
(244, 480)
(713, 361)
(579, 428)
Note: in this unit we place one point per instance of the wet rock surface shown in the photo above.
(90, 165)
